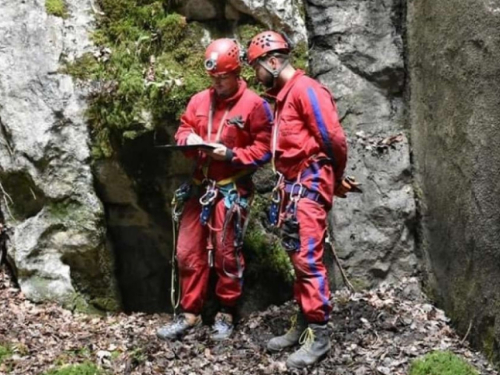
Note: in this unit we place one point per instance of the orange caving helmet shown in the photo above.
(222, 56)
(266, 42)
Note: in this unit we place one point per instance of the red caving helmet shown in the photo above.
(222, 56)
(266, 42)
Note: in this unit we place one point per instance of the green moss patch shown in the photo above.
(441, 363)
(79, 369)
(150, 63)
(56, 8)
(5, 352)
(264, 252)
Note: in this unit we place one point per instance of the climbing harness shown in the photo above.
(207, 201)
(283, 217)
(290, 225)
(235, 204)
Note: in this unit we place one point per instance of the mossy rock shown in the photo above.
(56, 8)
(151, 63)
(78, 369)
(441, 363)
(269, 273)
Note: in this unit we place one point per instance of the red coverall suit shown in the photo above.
(310, 147)
(246, 120)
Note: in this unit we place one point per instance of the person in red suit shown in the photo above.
(237, 122)
(309, 156)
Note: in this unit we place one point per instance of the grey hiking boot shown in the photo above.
(291, 337)
(179, 326)
(223, 327)
(315, 344)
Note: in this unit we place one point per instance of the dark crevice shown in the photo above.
(6, 136)
(29, 199)
(138, 224)
(5, 260)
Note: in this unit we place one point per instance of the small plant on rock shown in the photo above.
(56, 8)
(441, 363)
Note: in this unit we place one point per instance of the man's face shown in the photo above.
(225, 85)
(262, 74)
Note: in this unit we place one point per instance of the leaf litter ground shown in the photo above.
(374, 332)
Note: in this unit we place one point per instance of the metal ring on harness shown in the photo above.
(275, 195)
(209, 196)
(295, 196)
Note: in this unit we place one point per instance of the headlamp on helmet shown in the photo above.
(222, 57)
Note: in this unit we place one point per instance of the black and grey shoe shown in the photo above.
(179, 326)
(291, 337)
(223, 327)
(315, 343)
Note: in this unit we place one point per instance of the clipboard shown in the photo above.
(201, 147)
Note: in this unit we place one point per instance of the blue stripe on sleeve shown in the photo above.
(255, 163)
(268, 111)
(263, 160)
(320, 122)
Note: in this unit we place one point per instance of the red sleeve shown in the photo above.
(260, 124)
(188, 126)
(320, 115)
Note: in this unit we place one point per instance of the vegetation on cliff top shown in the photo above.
(148, 64)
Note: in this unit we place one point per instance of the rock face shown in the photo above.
(200, 10)
(57, 240)
(357, 52)
(61, 237)
(280, 15)
(454, 49)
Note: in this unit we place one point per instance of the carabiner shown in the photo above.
(295, 196)
(275, 195)
(276, 192)
(210, 194)
(176, 212)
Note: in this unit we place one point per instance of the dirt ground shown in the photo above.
(373, 332)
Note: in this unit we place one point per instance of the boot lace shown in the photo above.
(293, 324)
(306, 339)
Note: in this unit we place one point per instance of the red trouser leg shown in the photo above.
(311, 288)
(229, 287)
(192, 258)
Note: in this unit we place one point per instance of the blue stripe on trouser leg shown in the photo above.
(315, 178)
(321, 279)
(311, 289)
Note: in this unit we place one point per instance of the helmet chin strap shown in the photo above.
(274, 72)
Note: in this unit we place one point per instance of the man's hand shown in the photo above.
(193, 139)
(219, 153)
(347, 185)
(341, 190)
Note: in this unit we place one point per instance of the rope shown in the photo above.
(175, 301)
